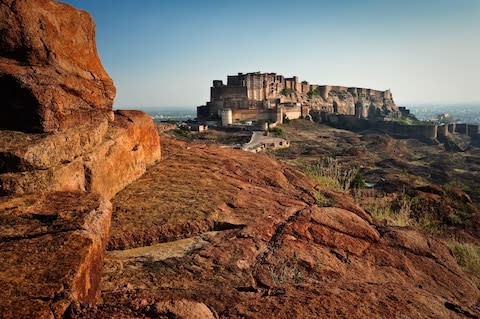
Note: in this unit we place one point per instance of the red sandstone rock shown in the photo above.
(253, 245)
(132, 144)
(183, 309)
(51, 78)
(95, 157)
(21, 152)
(51, 252)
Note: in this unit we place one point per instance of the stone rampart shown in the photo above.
(350, 122)
(443, 131)
(422, 132)
(462, 128)
(473, 129)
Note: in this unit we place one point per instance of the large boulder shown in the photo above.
(51, 77)
(51, 250)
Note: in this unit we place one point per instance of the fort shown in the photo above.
(271, 97)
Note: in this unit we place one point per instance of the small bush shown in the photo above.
(467, 255)
(277, 131)
(358, 180)
(313, 93)
(183, 134)
(286, 92)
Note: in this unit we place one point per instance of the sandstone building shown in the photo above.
(271, 97)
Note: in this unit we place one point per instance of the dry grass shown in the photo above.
(322, 200)
(397, 211)
(384, 210)
(329, 173)
(467, 255)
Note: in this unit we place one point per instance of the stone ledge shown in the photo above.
(52, 248)
(97, 157)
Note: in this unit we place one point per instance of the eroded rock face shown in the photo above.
(63, 152)
(99, 156)
(240, 234)
(51, 77)
(132, 143)
(51, 251)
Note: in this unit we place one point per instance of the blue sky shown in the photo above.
(166, 53)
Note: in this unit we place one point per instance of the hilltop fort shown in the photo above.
(271, 97)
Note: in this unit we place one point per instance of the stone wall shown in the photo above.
(427, 132)
(292, 113)
(423, 132)
(443, 131)
(251, 115)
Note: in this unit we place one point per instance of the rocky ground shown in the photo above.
(439, 185)
(211, 232)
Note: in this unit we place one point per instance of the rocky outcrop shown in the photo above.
(98, 157)
(240, 234)
(132, 143)
(51, 250)
(63, 154)
(51, 78)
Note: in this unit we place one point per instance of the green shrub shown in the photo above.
(313, 93)
(183, 134)
(277, 131)
(358, 180)
(287, 92)
(412, 120)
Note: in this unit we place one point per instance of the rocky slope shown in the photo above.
(237, 235)
(439, 185)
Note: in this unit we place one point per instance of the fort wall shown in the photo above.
(462, 128)
(473, 129)
(350, 122)
(252, 115)
(442, 131)
(292, 113)
(427, 132)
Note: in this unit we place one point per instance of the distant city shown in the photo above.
(461, 113)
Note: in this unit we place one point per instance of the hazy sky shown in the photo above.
(167, 52)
